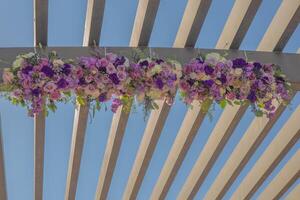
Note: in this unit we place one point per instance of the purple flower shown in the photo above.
(239, 63)
(223, 78)
(208, 70)
(36, 92)
(257, 66)
(144, 63)
(62, 83)
(208, 83)
(159, 83)
(158, 61)
(114, 78)
(120, 61)
(82, 81)
(102, 97)
(66, 69)
(251, 96)
(47, 71)
(27, 69)
(199, 60)
(102, 69)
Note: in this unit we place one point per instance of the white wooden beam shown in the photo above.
(234, 31)
(143, 24)
(3, 192)
(237, 24)
(212, 149)
(158, 117)
(91, 37)
(283, 180)
(280, 145)
(294, 194)
(79, 128)
(186, 134)
(282, 26)
(40, 38)
(93, 22)
(258, 129)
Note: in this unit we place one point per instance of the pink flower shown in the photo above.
(50, 87)
(230, 96)
(121, 75)
(7, 77)
(103, 62)
(92, 91)
(55, 95)
(26, 83)
(111, 68)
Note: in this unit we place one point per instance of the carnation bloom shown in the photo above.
(50, 87)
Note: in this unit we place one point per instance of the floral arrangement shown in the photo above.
(153, 79)
(103, 79)
(38, 82)
(213, 78)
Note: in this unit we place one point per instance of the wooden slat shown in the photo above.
(280, 145)
(158, 117)
(143, 24)
(40, 22)
(294, 194)
(3, 192)
(40, 38)
(186, 134)
(93, 22)
(238, 23)
(79, 128)
(261, 126)
(284, 22)
(191, 23)
(212, 149)
(91, 37)
(283, 180)
(111, 153)
(149, 141)
(235, 29)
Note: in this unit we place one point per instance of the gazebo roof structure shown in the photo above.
(280, 30)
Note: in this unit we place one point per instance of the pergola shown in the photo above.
(277, 35)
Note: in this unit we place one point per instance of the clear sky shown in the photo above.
(66, 22)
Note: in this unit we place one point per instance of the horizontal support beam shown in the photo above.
(288, 62)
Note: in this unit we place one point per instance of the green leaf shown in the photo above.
(155, 106)
(259, 113)
(223, 103)
(80, 100)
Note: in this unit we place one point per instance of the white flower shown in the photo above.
(57, 63)
(238, 71)
(214, 58)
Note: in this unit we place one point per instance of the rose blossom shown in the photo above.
(7, 77)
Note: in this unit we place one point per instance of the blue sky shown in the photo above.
(66, 22)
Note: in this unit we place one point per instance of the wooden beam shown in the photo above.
(79, 128)
(111, 153)
(212, 149)
(238, 23)
(294, 194)
(191, 23)
(283, 180)
(143, 24)
(288, 62)
(239, 157)
(158, 117)
(282, 26)
(91, 37)
(40, 38)
(186, 134)
(40, 22)
(93, 22)
(280, 145)
(148, 143)
(234, 31)
(3, 192)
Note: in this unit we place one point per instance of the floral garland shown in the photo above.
(39, 82)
